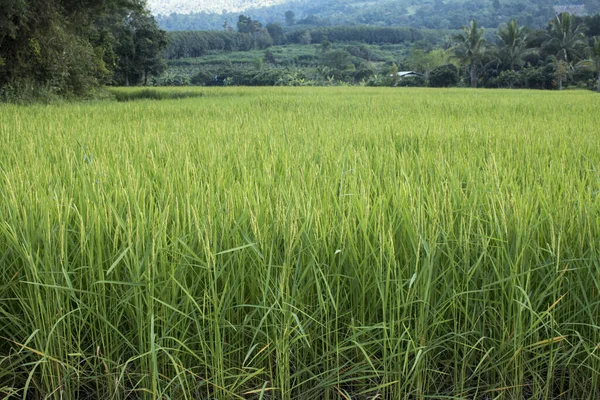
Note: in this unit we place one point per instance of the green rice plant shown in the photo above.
(295, 243)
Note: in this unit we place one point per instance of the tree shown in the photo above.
(262, 39)
(276, 33)
(419, 60)
(567, 39)
(561, 72)
(248, 25)
(512, 44)
(393, 74)
(290, 18)
(150, 41)
(470, 49)
(339, 60)
(305, 37)
(67, 47)
(593, 63)
(595, 53)
(325, 45)
(139, 50)
(444, 76)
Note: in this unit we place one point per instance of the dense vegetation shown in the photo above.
(432, 14)
(68, 48)
(564, 53)
(283, 243)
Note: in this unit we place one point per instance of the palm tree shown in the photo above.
(470, 49)
(593, 63)
(595, 53)
(566, 38)
(512, 45)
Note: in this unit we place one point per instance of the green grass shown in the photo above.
(302, 244)
(123, 95)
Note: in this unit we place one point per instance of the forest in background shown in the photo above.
(565, 53)
(431, 14)
(66, 49)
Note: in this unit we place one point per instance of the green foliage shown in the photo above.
(68, 48)
(246, 24)
(152, 94)
(276, 32)
(424, 62)
(512, 44)
(412, 81)
(562, 71)
(471, 49)
(444, 76)
(595, 56)
(199, 43)
(509, 79)
(431, 14)
(567, 39)
(339, 60)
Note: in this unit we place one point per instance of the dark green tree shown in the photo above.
(595, 56)
(512, 44)
(470, 49)
(150, 41)
(276, 32)
(567, 39)
(339, 60)
(444, 76)
(290, 18)
(140, 45)
(593, 62)
(68, 47)
(248, 25)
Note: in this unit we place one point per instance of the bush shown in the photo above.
(444, 76)
(509, 79)
(538, 78)
(269, 77)
(412, 81)
(203, 78)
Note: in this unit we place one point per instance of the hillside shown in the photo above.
(167, 7)
(431, 14)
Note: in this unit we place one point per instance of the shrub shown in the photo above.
(444, 76)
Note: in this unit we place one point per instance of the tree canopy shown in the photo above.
(69, 47)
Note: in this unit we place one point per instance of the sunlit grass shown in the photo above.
(302, 244)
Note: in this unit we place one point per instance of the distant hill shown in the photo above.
(432, 14)
(167, 7)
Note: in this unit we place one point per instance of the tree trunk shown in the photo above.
(145, 77)
(473, 75)
(560, 80)
(598, 81)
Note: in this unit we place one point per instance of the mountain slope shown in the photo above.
(166, 7)
(432, 14)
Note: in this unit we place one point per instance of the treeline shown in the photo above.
(566, 53)
(198, 43)
(65, 48)
(362, 34)
(431, 14)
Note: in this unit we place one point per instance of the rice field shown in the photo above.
(294, 243)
